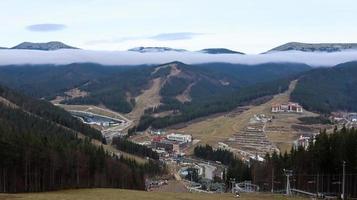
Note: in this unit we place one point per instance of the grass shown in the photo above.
(118, 194)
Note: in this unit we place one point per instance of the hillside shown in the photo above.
(42, 150)
(317, 47)
(187, 91)
(328, 89)
(47, 111)
(47, 81)
(218, 87)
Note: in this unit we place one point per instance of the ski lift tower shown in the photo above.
(288, 174)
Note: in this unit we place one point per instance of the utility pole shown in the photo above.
(343, 179)
(288, 173)
(233, 181)
(272, 180)
(317, 183)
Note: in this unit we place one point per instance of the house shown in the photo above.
(287, 107)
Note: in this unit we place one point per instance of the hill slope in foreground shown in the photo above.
(111, 194)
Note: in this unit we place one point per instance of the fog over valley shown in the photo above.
(67, 56)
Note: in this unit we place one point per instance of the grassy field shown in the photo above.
(117, 194)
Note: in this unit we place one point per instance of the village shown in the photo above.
(261, 134)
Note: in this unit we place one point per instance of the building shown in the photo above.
(157, 132)
(168, 145)
(303, 141)
(172, 143)
(179, 137)
(287, 107)
(352, 117)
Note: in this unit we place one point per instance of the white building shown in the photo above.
(352, 117)
(287, 107)
(303, 141)
(179, 137)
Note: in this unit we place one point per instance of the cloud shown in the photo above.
(67, 56)
(175, 36)
(46, 27)
(158, 37)
(112, 40)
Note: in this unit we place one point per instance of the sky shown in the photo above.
(250, 26)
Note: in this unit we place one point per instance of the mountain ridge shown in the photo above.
(315, 47)
(219, 51)
(47, 46)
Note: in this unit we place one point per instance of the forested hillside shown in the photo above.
(116, 92)
(188, 91)
(47, 81)
(322, 162)
(225, 102)
(49, 112)
(218, 87)
(39, 154)
(328, 89)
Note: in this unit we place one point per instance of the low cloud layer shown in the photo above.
(46, 27)
(67, 56)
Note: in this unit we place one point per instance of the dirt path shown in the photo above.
(150, 97)
(185, 96)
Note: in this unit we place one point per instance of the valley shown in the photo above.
(164, 114)
(281, 132)
(178, 100)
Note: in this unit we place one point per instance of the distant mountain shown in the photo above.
(3, 48)
(118, 87)
(49, 46)
(219, 51)
(318, 47)
(328, 89)
(155, 49)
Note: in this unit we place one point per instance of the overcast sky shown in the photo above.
(251, 26)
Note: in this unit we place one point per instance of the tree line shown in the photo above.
(133, 148)
(315, 169)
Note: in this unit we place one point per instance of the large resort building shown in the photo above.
(287, 107)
